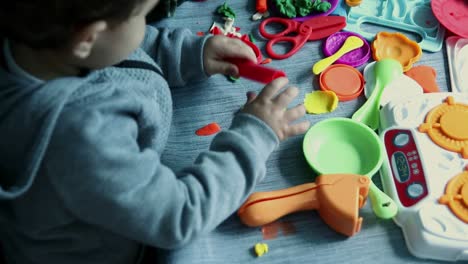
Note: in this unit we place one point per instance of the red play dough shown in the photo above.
(210, 129)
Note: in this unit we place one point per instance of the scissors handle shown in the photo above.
(296, 41)
(291, 27)
(302, 33)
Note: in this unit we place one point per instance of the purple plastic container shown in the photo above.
(334, 4)
(353, 58)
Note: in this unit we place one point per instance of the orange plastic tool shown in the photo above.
(337, 197)
(353, 3)
(396, 46)
(425, 76)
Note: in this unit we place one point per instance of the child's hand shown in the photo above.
(218, 48)
(271, 107)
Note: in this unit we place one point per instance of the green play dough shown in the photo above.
(294, 8)
(226, 11)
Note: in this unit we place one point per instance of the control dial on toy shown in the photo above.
(447, 126)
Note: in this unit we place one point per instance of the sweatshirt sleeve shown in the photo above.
(178, 52)
(107, 179)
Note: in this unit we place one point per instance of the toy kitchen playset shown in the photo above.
(425, 136)
(426, 172)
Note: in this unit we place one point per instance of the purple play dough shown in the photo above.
(353, 58)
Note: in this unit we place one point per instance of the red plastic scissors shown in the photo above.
(312, 29)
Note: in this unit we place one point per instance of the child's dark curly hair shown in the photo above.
(51, 23)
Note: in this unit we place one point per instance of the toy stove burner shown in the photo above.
(447, 126)
(456, 196)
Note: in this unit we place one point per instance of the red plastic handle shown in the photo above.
(291, 26)
(256, 72)
(296, 41)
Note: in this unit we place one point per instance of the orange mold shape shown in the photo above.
(396, 46)
(456, 196)
(425, 76)
(447, 126)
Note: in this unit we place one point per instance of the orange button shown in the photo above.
(344, 80)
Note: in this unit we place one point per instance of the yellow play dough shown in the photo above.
(319, 102)
(261, 249)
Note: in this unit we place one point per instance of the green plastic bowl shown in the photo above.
(342, 145)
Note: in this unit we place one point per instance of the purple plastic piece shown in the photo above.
(353, 58)
(334, 4)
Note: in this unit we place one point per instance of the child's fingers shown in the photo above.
(294, 113)
(223, 67)
(297, 129)
(284, 98)
(271, 89)
(236, 48)
(250, 97)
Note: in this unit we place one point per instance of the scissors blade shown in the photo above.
(324, 26)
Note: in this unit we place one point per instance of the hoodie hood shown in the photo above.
(28, 114)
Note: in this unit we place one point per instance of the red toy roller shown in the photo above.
(256, 72)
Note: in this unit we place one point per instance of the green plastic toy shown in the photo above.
(343, 145)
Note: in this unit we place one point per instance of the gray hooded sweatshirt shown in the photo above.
(81, 180)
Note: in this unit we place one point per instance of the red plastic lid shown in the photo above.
(344, 80)
(453, 14)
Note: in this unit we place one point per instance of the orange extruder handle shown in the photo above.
(262, 208)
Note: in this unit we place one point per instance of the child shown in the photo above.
(85, 111)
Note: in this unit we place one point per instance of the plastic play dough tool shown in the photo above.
(342, 145)
(402, 87)
(396, 46)
(257, 72)
(453, 14)
(337, 197)
(414, 17)
(353, 3)
(298, 33)
(345, 81)
(319, 102)
(353, 58)
(426, 78)
(386, 71)
(350, 44)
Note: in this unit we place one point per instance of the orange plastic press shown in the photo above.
(337, 197)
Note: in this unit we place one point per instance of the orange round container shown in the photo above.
(346, 81)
